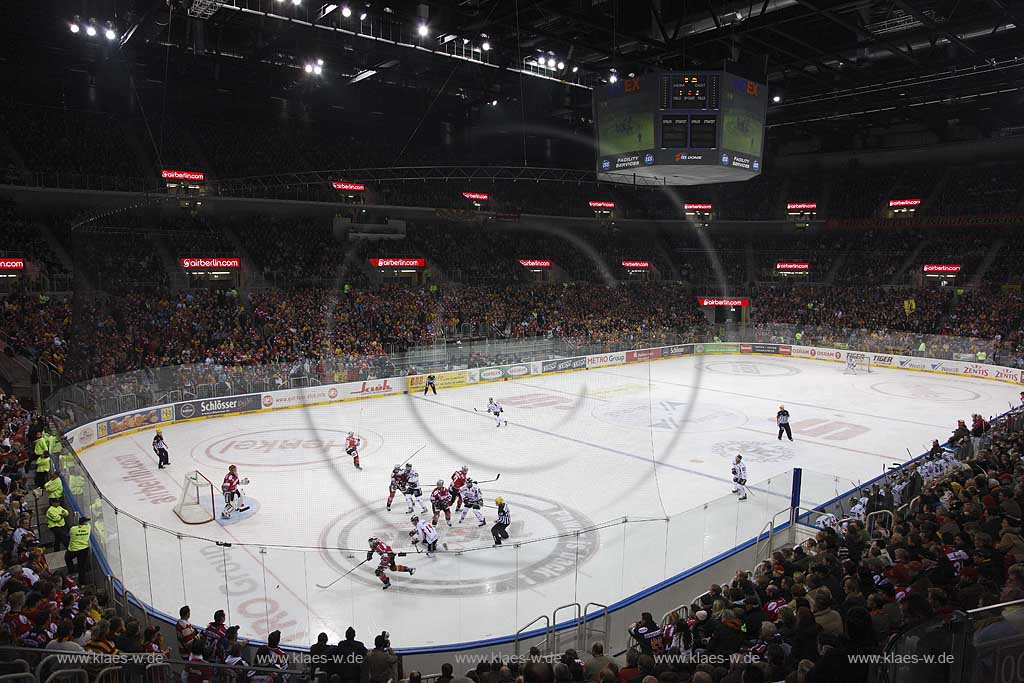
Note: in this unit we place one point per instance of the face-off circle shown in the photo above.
(551, 551)
(926, 391)
(670, 416)
(284, 448)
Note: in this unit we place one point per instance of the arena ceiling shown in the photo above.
(835, 65)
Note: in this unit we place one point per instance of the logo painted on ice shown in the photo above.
(753, 451)
(670, 416)
(283, 448)
(539, 562)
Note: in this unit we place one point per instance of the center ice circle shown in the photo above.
(544, 547)
(670, 416)
(750, 368)
(926, 391)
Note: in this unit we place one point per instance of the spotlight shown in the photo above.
(110, 34)
(776, 99)
(319, 62)
(90, 30)
(551, 62)
(561, 66)
(318, 69)
(346, 12)
(74, 27)
(575, 69)
(486, 46)
(362, 17)
(423, 30)
(296, 2)
(309, 68)
(613, 78)
(494, 103)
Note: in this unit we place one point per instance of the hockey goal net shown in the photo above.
(196, 504)
(858, 363)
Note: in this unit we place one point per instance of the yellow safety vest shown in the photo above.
(79, 537)
(40, 446)
(54, 488)
(54, 444)
(55, 515)
(982, 356)
(77, 483)
(43, 463)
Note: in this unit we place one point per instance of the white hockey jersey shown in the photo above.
(739, 471)
(425, 531)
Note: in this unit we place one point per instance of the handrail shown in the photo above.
(555, 636)
(547, 632)
(683, 609)
(587, 629)
(876, 514)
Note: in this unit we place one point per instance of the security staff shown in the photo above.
(56, 515)
(77, 556)
(54, 487)
(982, 356)
(42, 453)
(498, 531)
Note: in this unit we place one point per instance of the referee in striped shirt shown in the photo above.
(504, 519)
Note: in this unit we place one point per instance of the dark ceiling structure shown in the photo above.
(838, 67)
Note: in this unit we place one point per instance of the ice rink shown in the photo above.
(617, 478)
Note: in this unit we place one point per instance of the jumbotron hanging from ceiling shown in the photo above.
(680, 128)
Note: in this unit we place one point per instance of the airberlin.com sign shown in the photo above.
(535, 262)
(12, 264)
(213, 262)
(793, 266)
(348, 187)
(398, 262)
(722, 301)
(942, 267)
(171, 174)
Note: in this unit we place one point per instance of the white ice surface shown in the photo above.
(647, 443)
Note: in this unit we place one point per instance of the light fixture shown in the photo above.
(423, 30)
(777, 98)
(318, 69)
(309, 68)
(486, 46)
(110, 33)
(319, 62)
(90, 30)
(613, 78)
(551, 62)
(561, 66)
(362, 16)
(296, 2)
(74, 27)
(494, 103)
(575, 69)
(346, 11)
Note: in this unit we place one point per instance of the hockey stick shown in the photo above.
(414, 454)
(488, 481)
(343, 575)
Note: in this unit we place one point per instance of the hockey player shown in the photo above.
(397, 484)
(782, 420)
(495, 409)
(458, 481)
(430, 385)
(160, 448)
(413, 492)
(851, 365)
(441, 501)
(232, 493)
(424, 532)
(500, 530)
(387, 561)
(474, 500)
(352, 448)
(739, 477)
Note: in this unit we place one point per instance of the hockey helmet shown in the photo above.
(469, 482)
(373, 540)
(397, 468)
(159, 433)
(490, 400)
(351, 433)
(415, 519)
(440, 483)
(738, 457)
(408, 465)
(499, 500)
(782, 407)
(232, 468)
(465, 468)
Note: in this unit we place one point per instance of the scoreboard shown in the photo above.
(680, 128)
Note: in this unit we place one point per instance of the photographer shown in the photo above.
(382, 661)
